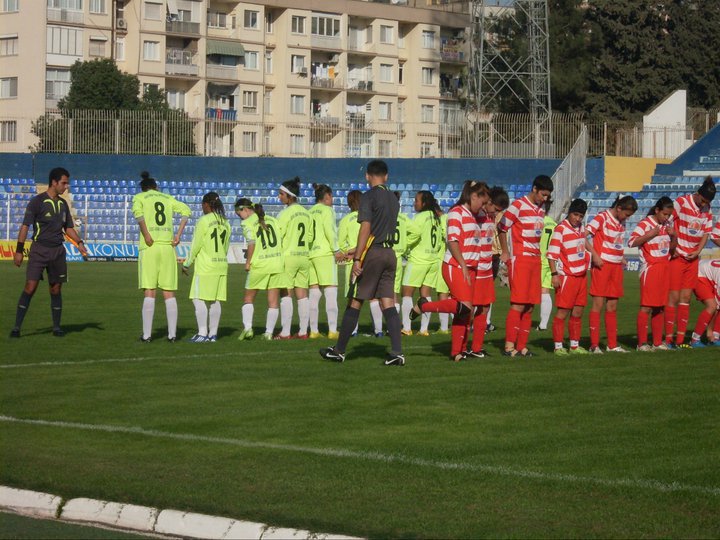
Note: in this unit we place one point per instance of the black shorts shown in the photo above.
(378, 276)
(50, 258)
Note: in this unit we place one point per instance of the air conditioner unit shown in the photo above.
(302, 71)
(121, 24)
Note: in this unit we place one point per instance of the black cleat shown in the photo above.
(172, 339)
(394, 360)
(145, 340)
(330, 353)
(15, 333)
(477, 354)
(418, 306)
(58, 332)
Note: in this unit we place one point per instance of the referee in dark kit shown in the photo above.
(374, 264)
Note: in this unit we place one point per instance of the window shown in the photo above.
(120, 49)
(184, 15)
(151, 50)
(149, 86)
(9, 5)
(267, 100)
(428, 39)
(325, 26)
(386, 34)
(65, 4)
(97, 46)
(57, 83)
(215, 19)
(8, 87)
(268, 62)
(269, 22)
(9, 45)
(426, 149)
(8, 131)
(297, 104)
(298, 24)
(175, 98)
(251, 60)
(385, 110)
(427, 112)
(386, 73)
(251, 19)
(401, 69)
(65, 41)
(153, 11)
(297, 63)
(427, 75)
(97, 6)
(384, 148)
(249, 141)
(250, 102)
(297, 144)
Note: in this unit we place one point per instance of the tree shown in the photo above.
(100, 85)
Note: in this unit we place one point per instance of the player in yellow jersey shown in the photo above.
(441, 288)
(157, 261)
(264, 264)
(424, 242)
(296, 230)
(324, 254)
(210, 244)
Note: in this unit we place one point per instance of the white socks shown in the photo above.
(545, 310)
(272, 317)
(444, 321)
(286, 315)
(315, 295)
(148, 311)
(172, 315)
(377, 315)
(407, 305)
(303, 315)
(215, 311)
(248, 310)
(425, 319)
(201, 316)
(331, 308)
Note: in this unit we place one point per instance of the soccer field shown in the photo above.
(594, 446)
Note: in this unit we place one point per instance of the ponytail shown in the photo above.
(626, 202)
(216, 206)
(320, 191)
(662, 203)
(429, 203)
(470, 187)
(257, 208)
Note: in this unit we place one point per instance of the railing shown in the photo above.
(180, 62)
(360, 84)
(222, 72)
(569, 176)
(65, 15)
(220, 114)
(182, 27)
(335, 83)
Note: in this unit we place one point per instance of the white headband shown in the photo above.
(286, 190)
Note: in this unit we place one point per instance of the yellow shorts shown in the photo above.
(298, 271)
(398, 274)
(158, 268)
(441, 287)
(323, 271)
(209, 287)
(416, 275)
(260, 281)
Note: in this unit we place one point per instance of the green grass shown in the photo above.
(609, 446)
(15, 527)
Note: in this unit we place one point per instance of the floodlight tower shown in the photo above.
(497, 70)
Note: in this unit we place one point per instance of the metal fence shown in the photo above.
(569, 175)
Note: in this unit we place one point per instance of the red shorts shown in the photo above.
(683, 273)
(572, 292)
(484, 291)
(524, 277)
(705, 290)
(607, 281)
(655, 285)
(460, 289)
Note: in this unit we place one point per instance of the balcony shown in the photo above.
(355, 120)
(358, 85)
(326, 83)
(64, 15)
(220, 114)
(325, 121)
(215, 71)
(180, 62)
(182, 27)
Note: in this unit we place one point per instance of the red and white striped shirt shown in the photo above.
(567, 249)
(486, 222)
(690, 223)
(524, 220)
(657, 249)
(710, 270)
(716, 232)
(463, 228)
(608, 237)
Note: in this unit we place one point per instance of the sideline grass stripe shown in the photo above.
(498, 470)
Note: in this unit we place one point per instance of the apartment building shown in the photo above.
(325, 78)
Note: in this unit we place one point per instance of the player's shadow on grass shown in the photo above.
(68, 329)
(367, 350)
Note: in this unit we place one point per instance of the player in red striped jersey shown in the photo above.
(524, 220)
(569, 262)
(692, 221)
(656, 238)
(465, 245)
(707, 290)
(716, 233)
(606, 239)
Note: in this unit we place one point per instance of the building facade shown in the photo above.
(321, 78)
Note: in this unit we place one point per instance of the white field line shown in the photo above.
(175, 356)
(498, 470)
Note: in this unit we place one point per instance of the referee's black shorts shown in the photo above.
(378, 276)
(50, 258)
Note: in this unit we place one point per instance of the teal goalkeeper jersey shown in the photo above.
(425, 238)
(348, 230)
(157, 209)
(268, 254)
(296, 230)
(325, 242)
(210, 245)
